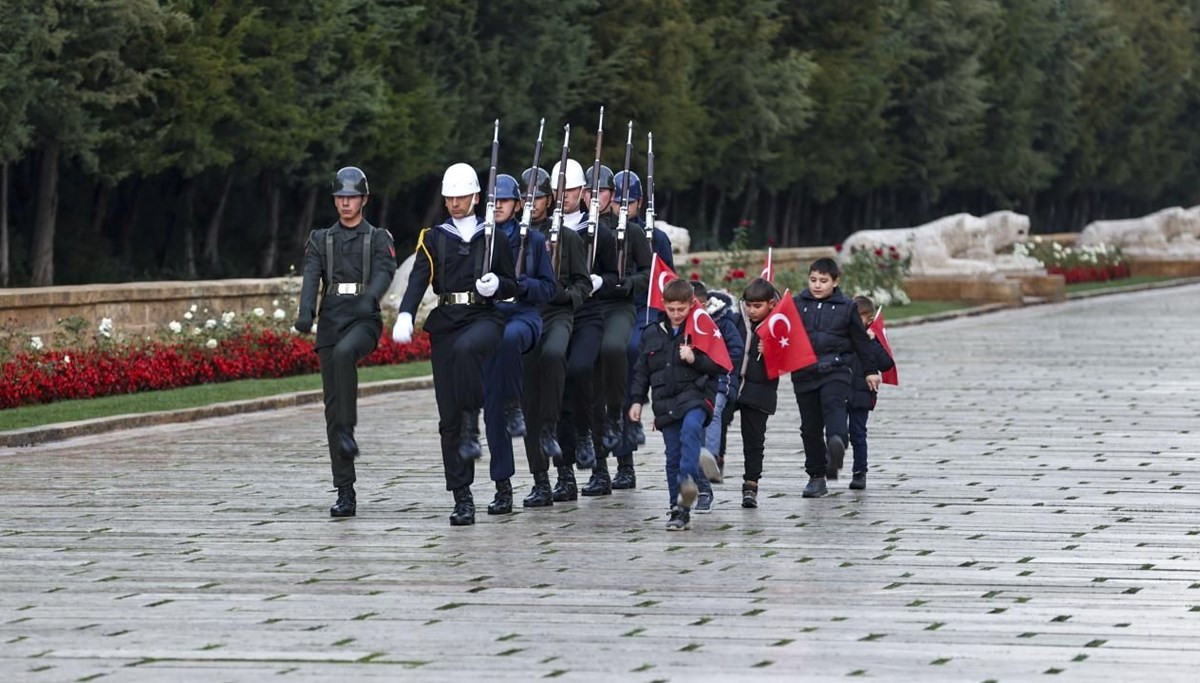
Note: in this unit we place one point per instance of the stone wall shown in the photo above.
(140, 306)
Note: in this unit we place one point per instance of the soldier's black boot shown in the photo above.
(502, 503)
(613, 432)
(540, 496)
(626, 477)
(549, 442)
(585, 450)
(514, 419)
(346, 505)
(564, 488)
(464, 507)
(468, 445)
(600, 484)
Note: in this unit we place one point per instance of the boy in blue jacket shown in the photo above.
(685, 386)
(822, 389)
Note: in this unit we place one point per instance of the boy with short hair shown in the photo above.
(862, 397)
(822, 389)
(759, 394)
(685, 386)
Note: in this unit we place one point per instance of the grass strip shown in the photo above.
(188, 397)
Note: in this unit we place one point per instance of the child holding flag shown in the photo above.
(681, 357)
(759, 391)
(838, 336)
(862, 397)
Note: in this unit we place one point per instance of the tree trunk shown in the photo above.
(385, 209)
(212, 251)
(267, 267)
(129, 226)
(715, 228)
(432, 211)
(750, 204)
(787, 236)
(100, 209)
(47, 216)
(189, 228)
(772, 231)
(4, 259)
(305, 224)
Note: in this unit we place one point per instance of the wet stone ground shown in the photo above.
(1033, 510)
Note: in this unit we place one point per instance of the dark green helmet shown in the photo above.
(543, 182)
(606, 178)
(350, 182)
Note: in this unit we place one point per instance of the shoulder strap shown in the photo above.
(366, 253)
(329, 258)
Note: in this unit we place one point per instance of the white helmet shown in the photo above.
(460, 180)
(574, 175)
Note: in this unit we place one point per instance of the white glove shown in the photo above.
(403, 329)
(488, 284)
(597, 282)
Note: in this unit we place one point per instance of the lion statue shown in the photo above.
(959, 244)
(1169, 232)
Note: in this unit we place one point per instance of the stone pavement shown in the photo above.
(1032, 509)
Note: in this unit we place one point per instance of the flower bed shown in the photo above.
(215, 351)
(1092, 263)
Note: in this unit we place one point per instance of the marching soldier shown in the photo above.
(633, 435)
(502, 415)
(545, 368)
(616, 302)
(352, 264)
(466, 326)
(578, 438)
(541, 199)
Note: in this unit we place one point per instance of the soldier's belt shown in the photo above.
(349, 288)
(460, 298)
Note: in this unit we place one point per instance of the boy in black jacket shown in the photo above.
(822, 389)
(862, 397)
(685, 386)
(759, 394)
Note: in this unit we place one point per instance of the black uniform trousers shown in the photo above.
(582, 355)
(754, 438)
(545, 375)
(614, 358)
(822, 414)
(457, 357)
(339, 379)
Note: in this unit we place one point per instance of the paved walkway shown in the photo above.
(1034, 508)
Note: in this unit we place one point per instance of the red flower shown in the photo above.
(737, 274)
(838, 247)
(879, 251)
(744, 223)
(695, 276)
(771, 243)
(892, 248)
(895, 255)
(695, 261)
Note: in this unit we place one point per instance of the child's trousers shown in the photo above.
(822, 415)
(858, 437)
(682, 440)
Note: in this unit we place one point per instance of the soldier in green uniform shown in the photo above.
(351, 264)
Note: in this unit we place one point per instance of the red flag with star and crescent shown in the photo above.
(889, 376)
(660, 275)
(704, 335)
(783, 341)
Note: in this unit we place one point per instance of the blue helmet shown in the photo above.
(506, 187)
(635, 186)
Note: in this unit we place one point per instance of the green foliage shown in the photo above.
(877, 272)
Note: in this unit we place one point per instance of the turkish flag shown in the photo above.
(702, 334)
(889, 376)
(660, 275)
(783, 341)
(768, 271)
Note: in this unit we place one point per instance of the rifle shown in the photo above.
(650, 189)
(527, 213)
(489, 219)
(594, 206)
(556, 219)
(623, 214)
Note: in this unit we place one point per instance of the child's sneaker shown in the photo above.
(680, 519)
(750, 494)
(816, 488)
(859, 481)
(708, 465)
(688, 491)
(704, 501)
